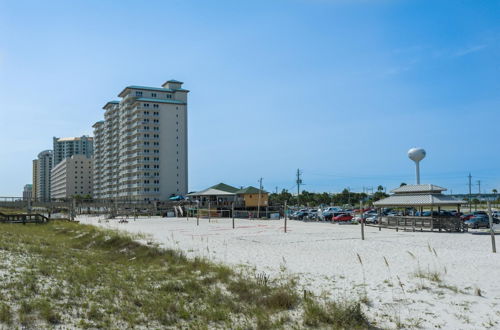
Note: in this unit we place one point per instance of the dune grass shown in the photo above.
(75, 275)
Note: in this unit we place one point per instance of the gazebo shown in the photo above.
(418, 197)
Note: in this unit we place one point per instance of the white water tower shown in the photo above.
(417, 154)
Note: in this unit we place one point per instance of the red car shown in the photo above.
(466, 217)
(343, 217)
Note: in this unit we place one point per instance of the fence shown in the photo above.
(448, 224)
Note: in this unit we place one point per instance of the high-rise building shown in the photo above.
(71, 177)
(27, 192)
(41, 174)
(140, 149)
(69, 146)
(34, 192)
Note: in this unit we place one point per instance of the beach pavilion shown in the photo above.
(420, 197)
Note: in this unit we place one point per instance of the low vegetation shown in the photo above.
(74, 275)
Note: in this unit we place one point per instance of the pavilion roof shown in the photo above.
(436, 199)
(418, 188)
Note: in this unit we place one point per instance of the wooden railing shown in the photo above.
(23, 218)
(413, 223)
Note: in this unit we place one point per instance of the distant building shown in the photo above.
(72, 177)
(69, 146)
(34, 192)
(28, 192)
(250, 197)
(140, 149)
(223, 195)
(41, 175)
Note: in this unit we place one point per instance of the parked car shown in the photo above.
(330, 215)
(343, 217)
(480, 213)
(466, 217)
(478, 222)
(372, 219)
(300, 215)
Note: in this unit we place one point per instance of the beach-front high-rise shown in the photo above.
(69, 146)
(140, 149)
(41, 176)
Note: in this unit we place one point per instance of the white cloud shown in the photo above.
(470, 50)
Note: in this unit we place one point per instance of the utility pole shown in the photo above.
(492, 231)
(258, 204)
(299, 182)
(479, 192)
(470, 193)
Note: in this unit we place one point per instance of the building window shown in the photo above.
(146, 105)
(153, 94)
(138, 93)
(155, 106)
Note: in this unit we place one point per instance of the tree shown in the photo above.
(380, 188)
(402, 184)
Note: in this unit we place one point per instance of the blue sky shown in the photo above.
(340, 89)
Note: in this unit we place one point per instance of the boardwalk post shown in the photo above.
(285, 216)
(29, 205)
(209, 217)
(379, 220)
(492, 231)
(197, 213)
(362, 221)
(232, 213)
(73, 211)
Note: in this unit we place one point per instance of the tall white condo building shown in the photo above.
(140, 149)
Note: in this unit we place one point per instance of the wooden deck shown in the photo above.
(412, 223)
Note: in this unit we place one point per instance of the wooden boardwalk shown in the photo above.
(23, 218)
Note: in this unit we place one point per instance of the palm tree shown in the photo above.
(402, 184)
(380, 188)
